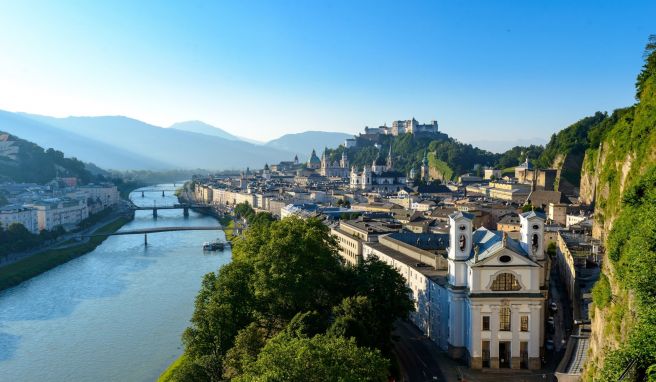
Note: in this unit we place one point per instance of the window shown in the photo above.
(486, 322)
(524, 323)
(504, 319)
(506, 282)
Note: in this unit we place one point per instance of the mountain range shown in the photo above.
(122, 143)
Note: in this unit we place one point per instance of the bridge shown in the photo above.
(143, 191)
(177, 206)
(146, 231)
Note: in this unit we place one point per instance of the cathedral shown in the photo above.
(380, 177)
(336, 169)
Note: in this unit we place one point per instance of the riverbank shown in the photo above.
(14, 274)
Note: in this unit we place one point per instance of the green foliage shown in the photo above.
(529, 207)
(36, 165)
(572, 140)
(244, 210)
(518, 155)
(287, 278)
(440, 166)
(320, 358)
(601, 293)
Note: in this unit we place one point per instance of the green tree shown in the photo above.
(224, 306)
(386, 291)
(295, 267)
(320, 358)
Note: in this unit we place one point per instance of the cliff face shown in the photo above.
(618, 177)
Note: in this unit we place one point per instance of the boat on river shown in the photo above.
(213, 246)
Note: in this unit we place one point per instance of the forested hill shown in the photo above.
(619, 177)
(24, 161)
(447, 154)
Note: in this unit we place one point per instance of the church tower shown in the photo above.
(389, 165)
(344, 163)
(424, 167)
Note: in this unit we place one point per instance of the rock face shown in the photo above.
(624, 157)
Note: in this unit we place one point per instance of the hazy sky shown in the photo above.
(484, 69)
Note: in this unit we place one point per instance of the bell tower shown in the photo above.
(532, 234)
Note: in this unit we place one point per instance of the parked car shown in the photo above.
(550, 320)
(553, 306)
(549, 345)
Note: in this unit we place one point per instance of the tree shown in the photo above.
(295, 267)
(224, 306)
(386, 291)
(355, 318)
(321, 358)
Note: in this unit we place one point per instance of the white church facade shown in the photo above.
(380, 177)
(488, 304)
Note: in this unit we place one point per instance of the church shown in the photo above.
(479, 294)
(336, 169)
(380, 177)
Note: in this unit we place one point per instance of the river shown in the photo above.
(114, 314)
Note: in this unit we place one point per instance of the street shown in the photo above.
(417, 355)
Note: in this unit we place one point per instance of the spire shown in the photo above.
(390, 165)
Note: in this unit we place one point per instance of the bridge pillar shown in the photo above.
(142, 194)
(155, 213)
(162, 193)
(145, 239)
(186, 212)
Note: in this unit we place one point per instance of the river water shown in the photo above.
(114, 314)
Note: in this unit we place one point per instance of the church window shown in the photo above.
(524, 324)
(506, 282)
(504, 318)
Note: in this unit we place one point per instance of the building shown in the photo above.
(336, 169)
(509, 223)
(314, 162)
(544, 179)
(13, 214)
(411, 126)
(380, 177)
(487, 307)
(350, 142)
(351, 234)
(106, 195)
(557, 213)
(65, 212)
(492, 173)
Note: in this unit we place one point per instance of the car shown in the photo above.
(553, 306)
(550, 320)
(549, 345)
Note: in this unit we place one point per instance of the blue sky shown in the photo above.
(492, 70)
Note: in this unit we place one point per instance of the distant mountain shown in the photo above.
(203, 128)
(504, 145)
(174, 148)
(302, 144)
(75, 145)
(24, 161)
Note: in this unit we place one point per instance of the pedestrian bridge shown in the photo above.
(146, 231)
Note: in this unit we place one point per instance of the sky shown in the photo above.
(485, 70)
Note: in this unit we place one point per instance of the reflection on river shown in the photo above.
(115, 314)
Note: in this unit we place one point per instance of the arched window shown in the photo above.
(506, 282)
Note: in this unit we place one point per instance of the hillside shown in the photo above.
(150, 146)
(566, 149)
(619, 177)
(24, 161)
(449, 157)
(203, 128)
(74, 145)
(302, 144)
